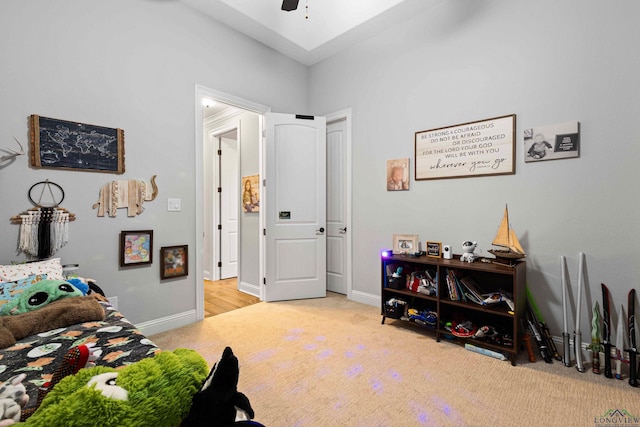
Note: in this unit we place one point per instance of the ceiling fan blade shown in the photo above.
(289, 5)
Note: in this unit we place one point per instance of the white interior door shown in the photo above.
(337, 212)
(295, 222)
(229, 205)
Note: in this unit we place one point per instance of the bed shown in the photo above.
(39, 354)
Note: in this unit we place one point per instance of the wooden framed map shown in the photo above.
(61, 144)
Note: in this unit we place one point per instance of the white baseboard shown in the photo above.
(587, 355)
(167, 323)
(366, 298)
(249, 288)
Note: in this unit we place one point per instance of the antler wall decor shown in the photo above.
(12, 153)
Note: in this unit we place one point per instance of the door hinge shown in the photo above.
(219, 189)
(264, 231)
(219, 152)
(219, 226)
(264, 133)
(219, 264)
(264, 182)
(264, 280)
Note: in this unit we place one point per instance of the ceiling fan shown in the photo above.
(289, 5)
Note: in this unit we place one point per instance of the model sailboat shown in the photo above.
(510, 249)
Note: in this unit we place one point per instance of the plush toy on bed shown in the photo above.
(219, 403)
(156, 391)
(13, 397)
(39, 295)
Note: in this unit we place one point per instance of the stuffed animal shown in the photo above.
(156, 391)
(58, 314)
(219, 403)
(38, 295)
(79, 284)
(13, 398)
(468, 249)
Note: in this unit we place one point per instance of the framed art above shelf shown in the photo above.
(481, 148)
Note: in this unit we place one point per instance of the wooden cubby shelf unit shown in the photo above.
(489, 278)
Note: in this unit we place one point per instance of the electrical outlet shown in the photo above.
(174, 205)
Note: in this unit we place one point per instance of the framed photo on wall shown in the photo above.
(136, 248)
(398, 174)
(251, 193)
(174, 261)
(559, 141)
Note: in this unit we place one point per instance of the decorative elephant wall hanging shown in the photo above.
(128, 194)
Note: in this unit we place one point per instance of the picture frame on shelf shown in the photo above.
(136, 247)
(433, 249)
(174, 261)
(405, 244)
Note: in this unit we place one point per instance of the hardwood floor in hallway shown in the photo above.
(223, 295)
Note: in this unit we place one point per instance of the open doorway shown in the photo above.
(225, 217)
(231, 235)
(250, 245)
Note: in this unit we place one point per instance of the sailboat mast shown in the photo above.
(506, 211)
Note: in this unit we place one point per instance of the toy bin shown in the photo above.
(396, 282)
(394, 308)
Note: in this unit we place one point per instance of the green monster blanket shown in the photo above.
(151, 392)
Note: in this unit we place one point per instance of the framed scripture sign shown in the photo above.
(60, 144)
(485, 147)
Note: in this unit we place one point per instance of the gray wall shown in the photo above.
(546, 61)
(134, 65)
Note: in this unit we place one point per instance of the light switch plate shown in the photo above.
(174, 205)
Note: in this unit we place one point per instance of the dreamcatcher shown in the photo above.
(44, 229)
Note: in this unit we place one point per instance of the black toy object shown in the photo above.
(218, 401)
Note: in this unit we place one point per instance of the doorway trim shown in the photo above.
(205, 92)
(216, 219)
(334, 117)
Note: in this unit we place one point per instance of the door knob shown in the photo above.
(343, 230)
(320, 230)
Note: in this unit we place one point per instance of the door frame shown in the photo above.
(215, 218)
(205, 92)
(333, 117)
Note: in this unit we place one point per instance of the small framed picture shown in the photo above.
(398, 174)
(250, 193)
(405, 243)
(559, 141)
(136, 247)
(434, 249)
(174, 261)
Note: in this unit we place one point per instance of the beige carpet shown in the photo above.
(329, 362)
